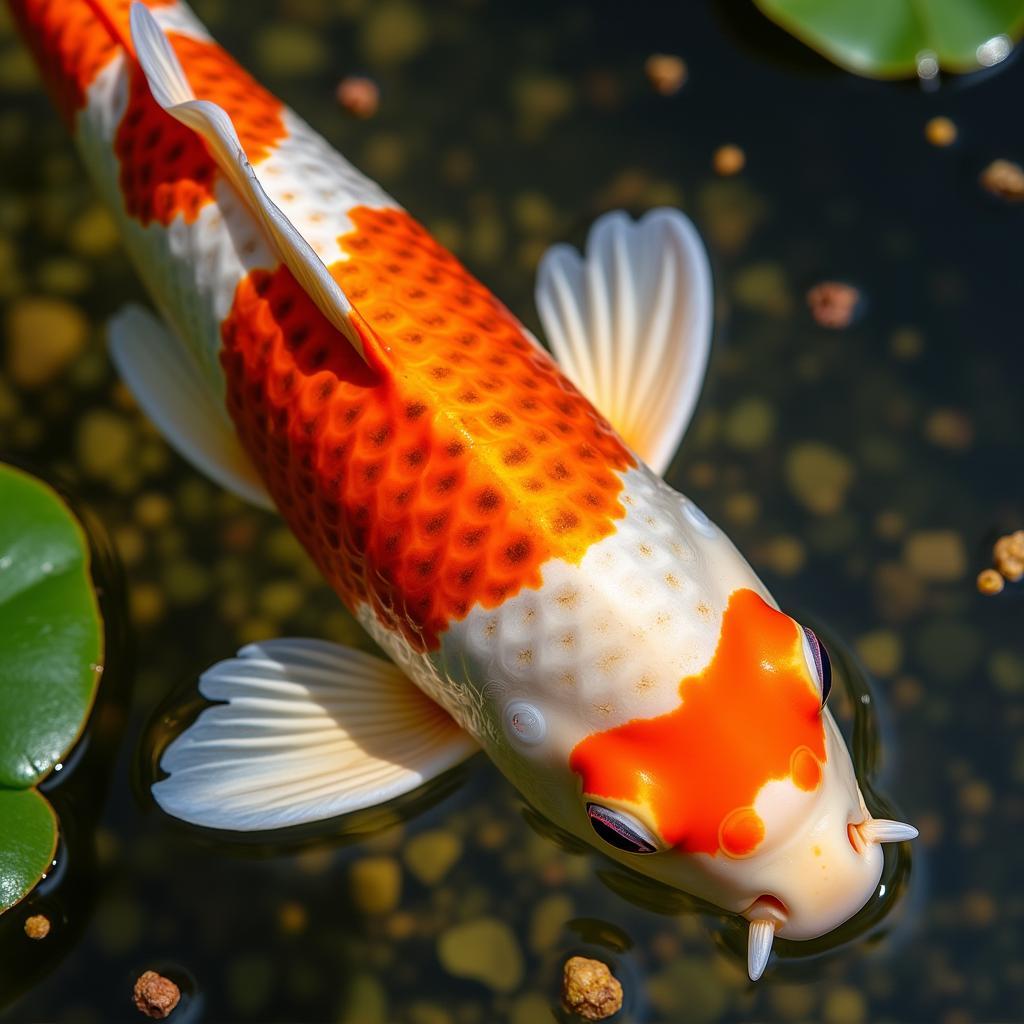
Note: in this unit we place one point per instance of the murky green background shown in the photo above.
(865, 472)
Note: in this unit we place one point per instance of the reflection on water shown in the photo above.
(865, 473)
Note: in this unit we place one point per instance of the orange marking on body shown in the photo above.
(165, 167)
(441, 480)
(72, 41)
(751, 716)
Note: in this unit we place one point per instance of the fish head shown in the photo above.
(743, 794)
(745, 791)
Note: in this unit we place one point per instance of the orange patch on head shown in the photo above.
(72, 41)
(742, 832)
(805, 769)
(750, 717)
(445, 477)
(166, 170)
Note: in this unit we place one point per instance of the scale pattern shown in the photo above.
(165, 168)
(441, 480)
(73, 41)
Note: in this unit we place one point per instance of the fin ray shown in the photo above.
(161, 374)
(171, 90)
(630, 324)
(304, 750)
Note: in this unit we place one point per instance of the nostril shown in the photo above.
(856, 839)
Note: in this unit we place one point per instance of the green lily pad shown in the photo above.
(29, 830)
(51, 633)
(884, 38)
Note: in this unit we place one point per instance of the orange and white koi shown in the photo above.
(542, 593)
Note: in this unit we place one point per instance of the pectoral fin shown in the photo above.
(309, 730)
(162, 375)
(171, 90)
(630, 324)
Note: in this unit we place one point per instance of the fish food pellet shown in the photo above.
(1004, 179)
(666, 73)
(940, 131)
(155, 995)
(589, 989)
(359, 97)
(990, 582)
(37, 926)
(833, 304)
(728, 160)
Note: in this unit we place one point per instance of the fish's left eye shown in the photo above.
(819, 663)
(621, 830)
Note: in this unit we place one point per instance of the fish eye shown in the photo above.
(819, 662)
(621, 830)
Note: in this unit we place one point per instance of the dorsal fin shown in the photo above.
(171, 90)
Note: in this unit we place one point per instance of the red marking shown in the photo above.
(72, 41)
(441, 479)
(165, 167)
(751, 716)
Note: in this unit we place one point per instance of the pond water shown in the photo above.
(864, 472)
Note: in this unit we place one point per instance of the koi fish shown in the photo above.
(492, 514)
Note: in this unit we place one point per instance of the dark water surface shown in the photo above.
(864, 472)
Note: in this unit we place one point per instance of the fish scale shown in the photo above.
(412, 487)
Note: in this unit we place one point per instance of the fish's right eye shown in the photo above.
(621, 830)
(820, 663)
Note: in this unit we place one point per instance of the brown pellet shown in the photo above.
(728, 160)
(989, 582)
(360, 97)
(155, 995)
(665, 72)
(940, 131)
(37, 926)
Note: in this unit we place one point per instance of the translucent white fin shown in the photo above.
(161, 373)
(630, 324)
(170, 88)
(760, 937)
(310, 730)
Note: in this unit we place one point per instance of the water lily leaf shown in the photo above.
(883, 38)
(29, 829)
(51, 634)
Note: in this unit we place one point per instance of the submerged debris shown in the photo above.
(155, 995)
(589, 989)
(486, 950)
(940, 131)
(728, 160)
(376, 884)
(44, 337)
(359, 97)
(666, 73)
(37, 926)
(833, 304)
(1004, 179)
